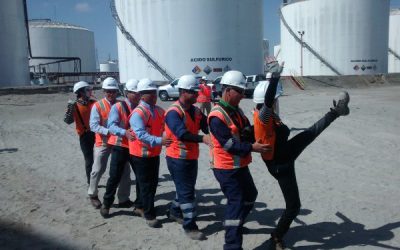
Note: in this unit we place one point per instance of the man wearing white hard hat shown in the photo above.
(147, 121)
(121, 134)
(102, 150)
(231, 155)
(183, 121)
(280, 160)
(79, 112)
(204, 96)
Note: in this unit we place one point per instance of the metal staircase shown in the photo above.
(394, 53)
(316, 54)
(139, 48)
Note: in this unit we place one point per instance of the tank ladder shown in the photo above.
(316, 54)
(394, 53)
(139, 48)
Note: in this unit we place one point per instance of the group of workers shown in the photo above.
(135, 129)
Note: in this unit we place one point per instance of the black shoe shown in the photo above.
(105, 212)
(138, 212)
(177, 219)
(195, 234)
(125, 204)
(276, 243)
(96, 203)
(154, 223)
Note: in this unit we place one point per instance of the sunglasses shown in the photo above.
(111, 91)
(193, 92)
(238, 90)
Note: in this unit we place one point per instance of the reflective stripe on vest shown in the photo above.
(103, 108)
(154, 126)
(266, 133)
(123, 114)
(179, 149)
(220, 158)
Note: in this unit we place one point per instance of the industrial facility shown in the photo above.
(62, 41)
(335, 37)
(13, 45)
(162, 40)
(394, 41)
(170, 37)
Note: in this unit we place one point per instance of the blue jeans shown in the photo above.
(241, 193)
(184, 175)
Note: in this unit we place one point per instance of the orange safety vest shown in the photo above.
(84, 111)
(266, 133)
(220, 158)
(123, 112)
(103, 108)
(154, 126)
(179, 149)
(204, 94)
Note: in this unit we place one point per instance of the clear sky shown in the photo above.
(95, 15)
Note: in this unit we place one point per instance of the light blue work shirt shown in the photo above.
(94, 121)
(139, 128)
(114, 120)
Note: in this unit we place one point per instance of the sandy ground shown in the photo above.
(348, 178)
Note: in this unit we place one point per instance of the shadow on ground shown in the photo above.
(16, 236)
(332, 235)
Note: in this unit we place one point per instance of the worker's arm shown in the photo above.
(113, 122)
(69, 113)
(141, 133)
(175, 123)
(224, 136)
(94, 122)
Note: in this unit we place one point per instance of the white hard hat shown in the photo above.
(259, 91)
(188, 82)
(204, 78)
(269, 75)
(234, 78)
(131, 85)
(110, 83)
(79, 85)
(146, 84)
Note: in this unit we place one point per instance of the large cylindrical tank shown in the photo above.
(351, 36)
(394, 40)
(109, 66)
(13, 44)
(54, 39)
(202, 37)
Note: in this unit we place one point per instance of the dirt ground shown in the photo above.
(349, 181)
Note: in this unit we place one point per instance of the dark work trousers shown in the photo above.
(241, 193)
(184, 175)
(86, 140)
(146, 170)
(282, 169)
(119, 157)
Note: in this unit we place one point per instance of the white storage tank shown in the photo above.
(13, 44)
(109, 66)
(55, 39)
(202, 37)
(350, 36)
(394, 40)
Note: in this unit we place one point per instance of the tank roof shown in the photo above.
(293, 1)
(47, 23)
(395, 11)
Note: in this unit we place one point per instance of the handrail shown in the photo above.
(316, 54)
(394, 53)
(133, 41)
